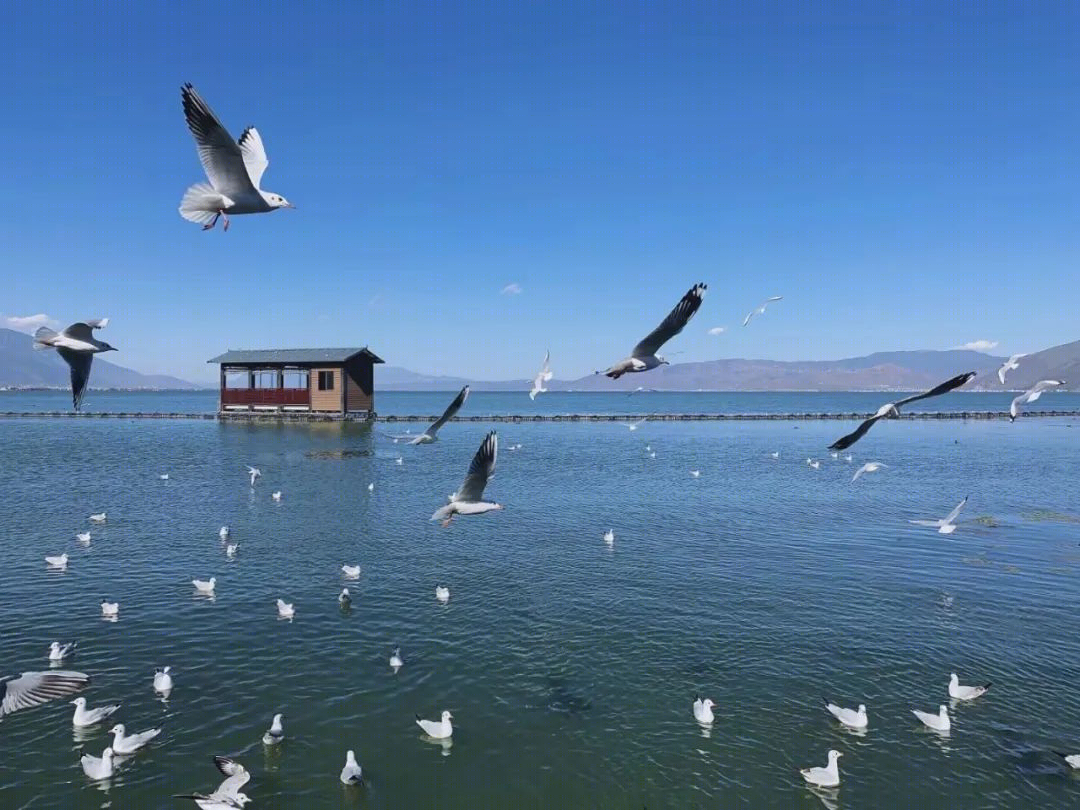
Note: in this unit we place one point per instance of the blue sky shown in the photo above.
(905, 176)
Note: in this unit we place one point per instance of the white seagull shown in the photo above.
(255, 473)
(163, 477)
(1012, 363)
(351, 571)
(634, 425)
(285, 609)
(223, 532)
(83, 537)
(110, 610)
(204, 585)
(703, 712)
(77, 346)
(230, 550)
(468, 499)
(775, 454)
(100, 517)
(233, 168)
(812, 463)
(958, 692)
(344, 598)
(695, 473)
(276, 495)
(1072, 760)
(228, 795)
(938, 722)
(395, 659)
(643, 356)
(848, 717)
(58, 562)
(276, 733)
(163, 680)
(442, 593)
(351, 774)
(761, 309)
(36, 688)
(609, 537)
(98, 767)
(84, 717)
(58, 651)
(371, 487)
(1031, 395)
(437, 730)
(542, 376)
(945, 525)
(869, 467)
(124, 743)
(829, 776)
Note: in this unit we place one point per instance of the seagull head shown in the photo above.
(276, 200)
(447, 716)
(117, 729)
(834, 755)
(106, 347)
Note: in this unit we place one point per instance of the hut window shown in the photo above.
(326, 381)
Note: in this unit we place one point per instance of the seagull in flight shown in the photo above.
(234, 169)
(430, 435)
(1031, 395)
(542, 376)
(255, 473)
(947, 524)
(77, 346)
(869, 467)
(467, 500)
(227, 795)
(892, 409)
(1012, 363)
(760, 310)
(36, 688)
(634, 425)
(643, 356)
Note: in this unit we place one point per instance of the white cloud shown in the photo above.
(28, 323)
(511, 289)
(979, 345)
(718, 330)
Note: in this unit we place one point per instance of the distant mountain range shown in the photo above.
(20, 365)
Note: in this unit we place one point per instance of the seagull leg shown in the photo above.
(226, 218)
(212, 222)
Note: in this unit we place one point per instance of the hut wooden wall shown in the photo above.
(325, 400)
(359, 385)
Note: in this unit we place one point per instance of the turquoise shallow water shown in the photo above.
(570, 666)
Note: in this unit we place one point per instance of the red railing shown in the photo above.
(265, 396)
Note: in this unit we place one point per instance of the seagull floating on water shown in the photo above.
(892, 410)
(703, 710)
(36, 688)
(371, 487)
(351, 571)
(204, 585)
(58, 651)
(695, 473)
(467, 500)
(285, 609)
(829, 776)
(542, 377)
(351, 774)
(163, 477)
(812, 463)
(163, 682)
(276, 495)
(98, 768)
(124, 743)
(100, 517)
(228, 795)
(437, 730)
(643, 356)
(255, 473)
(395, 659)
(442, 593)
(958, 692)
(1031, 395)
(945, 525)
(938, 722)
(869, 467)
(234, 169)
(83, 537)
(1012, 363)
(848, 717)
(609, 537)
(230, 550)
(345, 598)
(84, 717)
(58, 562)
(761, 309)
(276, 733)
(223, 532)
(110, 609)
(77, 346)
(775, 454)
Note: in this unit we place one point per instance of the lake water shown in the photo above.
(570, 666)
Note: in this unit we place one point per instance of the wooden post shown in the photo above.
(221, 391)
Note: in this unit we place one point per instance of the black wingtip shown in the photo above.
(418, 717)
(988, 684)
(1062, 755)
(825, 701)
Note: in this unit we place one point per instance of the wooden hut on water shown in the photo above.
(325, 381)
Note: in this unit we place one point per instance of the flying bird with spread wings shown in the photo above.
(542, 376)
(430, 435)
(77, 345)
(644, 356)
(761, 309)
(468, 500)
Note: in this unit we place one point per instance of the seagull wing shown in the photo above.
(955, 512)
(82, 330)
(938, 390)
(480, 470)
(80, 363)
(254, 154)
(937, 524)
(453, 408)
(221, 156)
(236, 776)
(430, 727)
(845, 442)
(35, 688)
(672, 324)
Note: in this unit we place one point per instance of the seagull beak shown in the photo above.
(289, 205)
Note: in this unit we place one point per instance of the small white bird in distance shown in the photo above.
(58, 651)
(276, 733)
(775, 454)
(100, 517)
(230, 550)
(285, 610)
(812, 463)
(223, 532)
(937, 722)
(77, 346)
(634, 425)
(947, 524)
(395, 659)
(371, 487)
(652, 454)
(848, 717)
(958, 692)
(163, 477)
(643, 356)
(542, 377)
(254, 473)
(234, 169)
(468, 500)
(442, 593)
(110, 609)
(835, 454)
(829, 776)
(440, 730)
(609, 537)
(351, 571)
(1031, 395)
(228, 795)
(761, 309)
(276, 495)
(703, 710)
(345, 598)
(124, 743)
(695, 473)
(869, 467)
(847, 458)
(205, 585)
(85, 717)
(36, 688)
(399, 461)
(58, 562)
(163, 682)
(1010, 364)
(98, 768)
(83, 537)
(351, 774)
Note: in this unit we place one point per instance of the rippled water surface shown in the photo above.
(570, 666)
